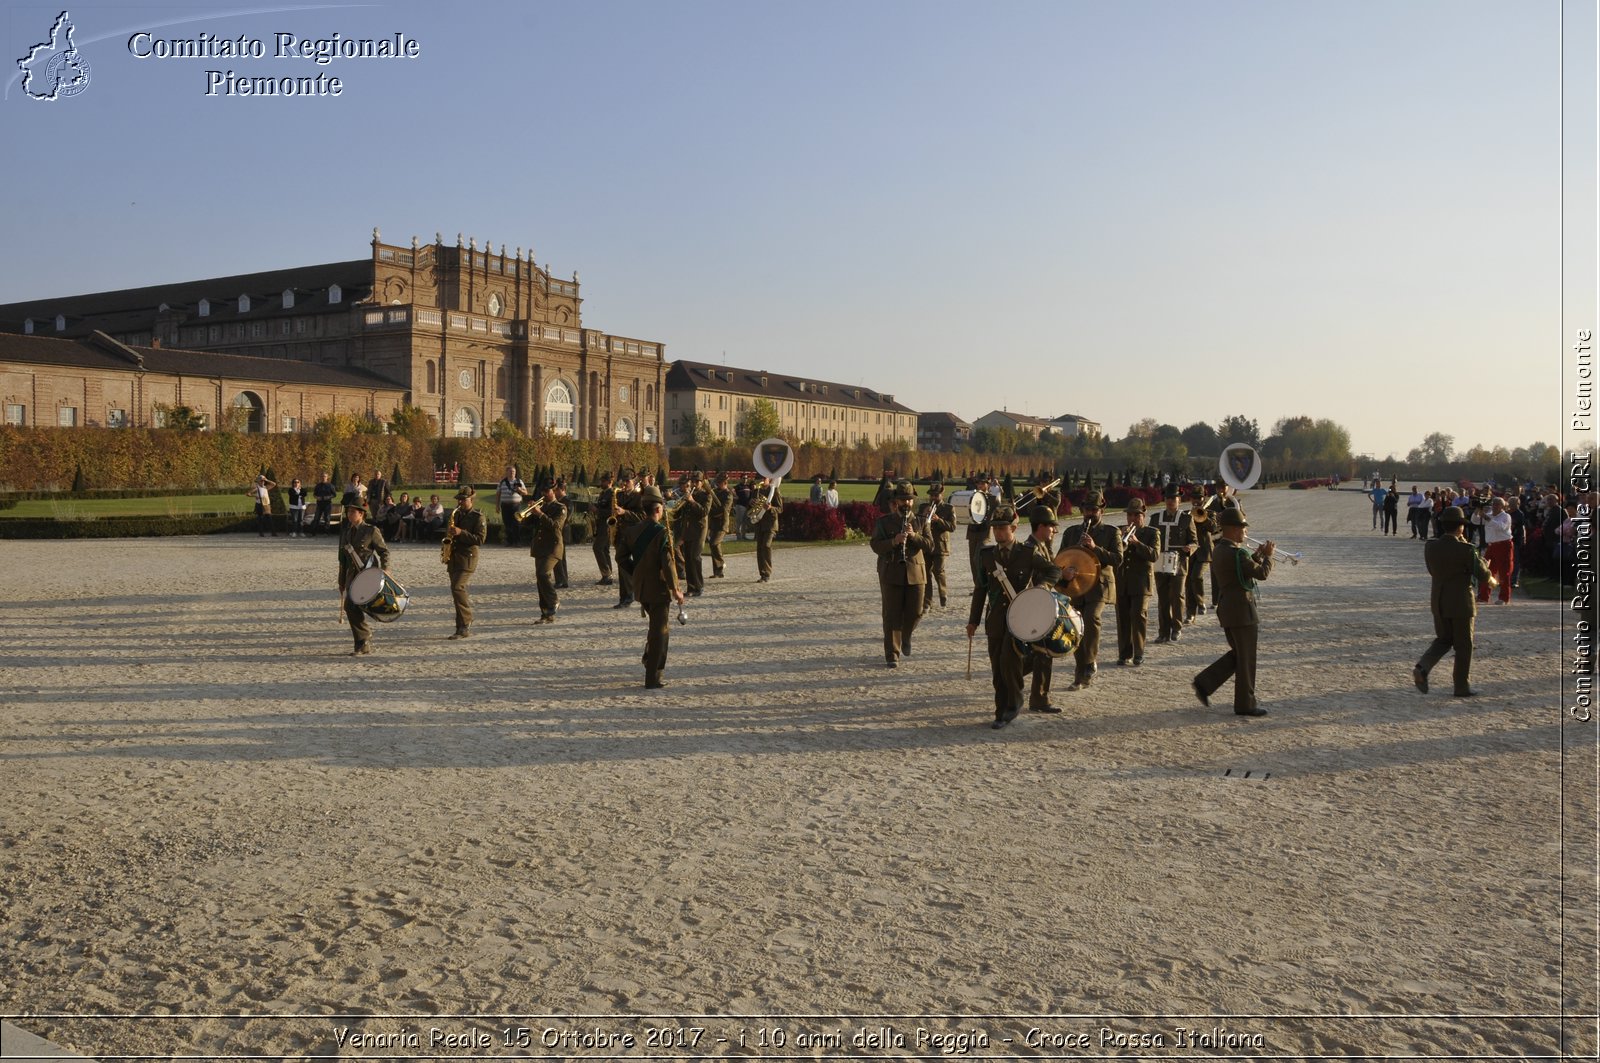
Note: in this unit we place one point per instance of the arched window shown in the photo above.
(500, 383)
(649, 433)
(560, 411)
(649, 396)
(466, 424)
(624, 430)
(433, 378)
(250, 413)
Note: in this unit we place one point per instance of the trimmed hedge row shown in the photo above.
(119, 527)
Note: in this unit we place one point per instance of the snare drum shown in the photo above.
(379, 595)
(1169, 563)
(1042, 618)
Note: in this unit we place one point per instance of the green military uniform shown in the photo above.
(629, 501)
(1134, 582)
(978, 532)
(689, 532)
(719, 512)
(1194, 599)
(357, 544)
(1103, 541)
(902, 574)
(1235, 571)
(941, 524)
(1177, 539)
(600, 522)
(655, 583)
(1025, 566)
(766, 530)
(549, 547)
(471, 530)
(1454, 564)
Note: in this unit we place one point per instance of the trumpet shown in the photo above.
(1038, 493)
(447, 548)
(536, 506)
(1294, 558)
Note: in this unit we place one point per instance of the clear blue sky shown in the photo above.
(1146, 209)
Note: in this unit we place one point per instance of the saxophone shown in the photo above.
(447, 547)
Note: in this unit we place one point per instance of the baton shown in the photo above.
(969, 656)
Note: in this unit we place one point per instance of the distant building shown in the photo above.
(1071, 424)
(1021, 423)
(467, 334)
(97, 381)
(942, 432)
(837, 415)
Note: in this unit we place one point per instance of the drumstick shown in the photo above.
(969, 656)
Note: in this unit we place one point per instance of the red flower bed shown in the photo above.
(810, 522)
(862, 516)
(1306, 485)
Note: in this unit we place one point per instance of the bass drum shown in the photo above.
(1042, 619)
(378, 594)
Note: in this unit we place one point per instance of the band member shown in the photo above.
(1236, 572)
(1041, 535)
(766, 527)
(566, 507)
(655, 578)
(510, 493)
(549, 520)
(1041, 494)
(1106, 545)
(358, 541)
(600, 521)
(978, 531)
(625, 500)
(1140, 550)
(902, 573)
(1194, 588)
(938, 520)
(1453, 564)
(1022, 567)
(718, 516)
(470, 529)
(689, 531)
(1176, 529)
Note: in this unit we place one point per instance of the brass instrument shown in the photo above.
(905, 543)
(447, 548)
(1294, 559)
(1126, 539)
(536, 506)
(1038, 493)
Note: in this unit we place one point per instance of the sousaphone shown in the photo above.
(773, 458)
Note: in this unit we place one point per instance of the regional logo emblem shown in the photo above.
(55, 69)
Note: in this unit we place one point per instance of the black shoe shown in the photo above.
(1420, 678)
(1257, 711)
(1044, 708)
(892, 663)
(653, 684)
(696, 594)
(1137, 661)
(1163, 638)
(1176, 635)
(1205, 699)
(763, 579)
(1001, 721)
(620, 605)
(362, 650)
(1465, 694)
(458, 635)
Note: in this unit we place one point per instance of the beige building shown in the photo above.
(1072, 424)
(1020, 423)
(836, 415)
(467, 333)
(99, 382)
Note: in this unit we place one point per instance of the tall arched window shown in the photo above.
(624, 430)
(649, 396)
(560, 411)
(433, 378)
(500, 383)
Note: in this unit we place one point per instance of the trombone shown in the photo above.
(1038, 493)
(1294, 558)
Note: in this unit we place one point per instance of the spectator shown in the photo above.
(1377, 494)
(406, 511)
(261, 491)
(378, 490)
(297, 508)
(433, 517)
(1391, 512)
(355, 492)
(510, 496)
(1417, 511)
(831, 496)
(818, 492)
(324, 492)
(741, 506)
(387, 516)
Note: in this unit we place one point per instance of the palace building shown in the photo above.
(837, 415)
(466, 333)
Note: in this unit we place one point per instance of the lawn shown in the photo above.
(69, 508)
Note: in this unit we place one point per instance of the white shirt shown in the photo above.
(1496, 527)
(832, 498)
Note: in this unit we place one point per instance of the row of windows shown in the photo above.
(807, 410)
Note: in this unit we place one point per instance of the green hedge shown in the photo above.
(119, 527)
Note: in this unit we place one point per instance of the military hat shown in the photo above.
(1233, 518)
(1038, 515)
(650, 496)
(362, 506)
(467, 491)
(935, 488)
(905, 490)
(1094, 500)
(1170, 492)
(605, 477)
(1452, 517)
(1004, 513)
(1135, 505)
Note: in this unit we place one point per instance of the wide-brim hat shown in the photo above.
(1452, 517)
(1135, 505)
(935, 488)
(348, 506)
(1233, 518)
(1094, 500)
(1170, 492)
(651, 496)
(1003, 514)
(1039, 515)
(905, 491)
(467, 492)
